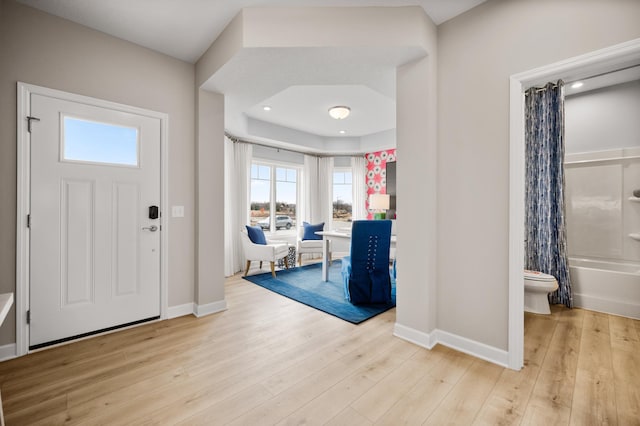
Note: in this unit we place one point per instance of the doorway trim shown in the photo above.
(579, 67)
(23, 196)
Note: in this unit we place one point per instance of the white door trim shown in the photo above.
(593, 63)
(23, 196)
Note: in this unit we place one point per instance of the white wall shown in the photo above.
(477, 52)
(48, 51)
(603, 119)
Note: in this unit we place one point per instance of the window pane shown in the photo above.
(260, 195)
(286, 197)
(342, 197)
(285, 205)
(279, 214)
(95, 142)
(264, 172)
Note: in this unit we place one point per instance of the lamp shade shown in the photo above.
(379, 201)
(339, 112)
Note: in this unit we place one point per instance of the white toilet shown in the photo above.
(536, 288)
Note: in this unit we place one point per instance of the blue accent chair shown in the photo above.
(365, 273)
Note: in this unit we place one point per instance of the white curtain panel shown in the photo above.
(309, 202)
(325, 191)
(229, 258)
(359, 185)
(237, 163)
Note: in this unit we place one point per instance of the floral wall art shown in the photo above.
(376, 178)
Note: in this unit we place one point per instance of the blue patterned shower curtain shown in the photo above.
(545, 231)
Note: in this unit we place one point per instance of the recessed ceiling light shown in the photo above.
(342, 132)
(266, 108)
(339, 112)
(577, 85)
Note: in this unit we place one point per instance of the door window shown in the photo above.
(94, 142)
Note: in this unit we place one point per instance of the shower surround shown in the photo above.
(603, 222)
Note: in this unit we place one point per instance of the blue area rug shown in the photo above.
(304, 284)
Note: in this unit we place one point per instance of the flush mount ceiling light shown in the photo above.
(266, 108)
(339, 112)
(342, 132)
(577, 85)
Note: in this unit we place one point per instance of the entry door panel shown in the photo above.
(95, 256)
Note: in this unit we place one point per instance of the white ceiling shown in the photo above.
(603, 80)
(184, 29)
(299, 84)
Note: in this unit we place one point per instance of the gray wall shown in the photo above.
(478, 51)
(44, 50)
(603, 119)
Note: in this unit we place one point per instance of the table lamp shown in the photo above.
(379, 202)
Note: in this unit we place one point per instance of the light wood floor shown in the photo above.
(269, 360)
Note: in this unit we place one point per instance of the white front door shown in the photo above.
(95, 244)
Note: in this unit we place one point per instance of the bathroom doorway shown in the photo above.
(584, 66)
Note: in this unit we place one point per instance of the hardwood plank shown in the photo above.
(349, 417)
(564, 347)
(509, 398)
(287, 402)
(628, 403)
(623, 333)
(550, 401)
(374, 403)
(594, 396)
(219, 413)
(331, 402)
(538, 329)
(418, 403)
(536, 415)
(269, 360)
(103, 371)
(465, 400)
(29, 415)
(626, 366)
(594, 401)
(327, 405)
(452, 367)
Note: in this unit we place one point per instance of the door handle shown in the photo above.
(152, 228)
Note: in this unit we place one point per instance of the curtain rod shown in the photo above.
(603, 73)
(545, 87)
(236, 139)
(540, 89)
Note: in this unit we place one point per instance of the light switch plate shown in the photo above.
(177, 211)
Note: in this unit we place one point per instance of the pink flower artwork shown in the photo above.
(376, 178)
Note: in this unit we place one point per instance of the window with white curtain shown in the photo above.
(274, 189)
(342, 194)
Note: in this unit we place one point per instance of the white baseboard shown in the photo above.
(197, 310)
(8, 351)
(412, 335)
(473, 348)
(180, 310)
(607, 306)
(210, 308)
(453, 341)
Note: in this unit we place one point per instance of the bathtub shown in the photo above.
(606, 286)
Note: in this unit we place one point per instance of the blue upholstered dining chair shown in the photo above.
(365, 273)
